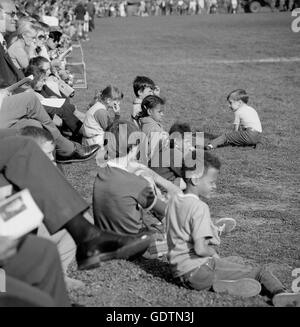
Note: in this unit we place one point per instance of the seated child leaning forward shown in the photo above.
(120, 196)
(103, 112)
(247, 125)
(150, 119)
(142, 87)
(194, 262)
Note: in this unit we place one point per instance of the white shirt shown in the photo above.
(247, 117)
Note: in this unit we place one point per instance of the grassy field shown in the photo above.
(260, 188)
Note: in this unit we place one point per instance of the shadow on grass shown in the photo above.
(157, 268)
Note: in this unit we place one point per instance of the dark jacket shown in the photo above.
(9, 73)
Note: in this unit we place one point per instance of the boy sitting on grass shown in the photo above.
(247, 126)
(120, 196)
(191, 235)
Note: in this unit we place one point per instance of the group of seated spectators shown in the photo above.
(33, 144)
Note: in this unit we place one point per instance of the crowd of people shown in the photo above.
(123, 8)
(149, 187)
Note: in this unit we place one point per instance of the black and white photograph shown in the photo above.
(158, 144)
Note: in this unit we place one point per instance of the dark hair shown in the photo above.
(37, 133)
(118, 144)
(29, 7)
(150, 102)
(34, 68)
(38, 61)
(237, 95)
(36, 72)
(55, 35)
(177, 130)
(180, 128)
(209, 161)
(140, 83)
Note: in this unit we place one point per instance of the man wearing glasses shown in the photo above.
(9, 74)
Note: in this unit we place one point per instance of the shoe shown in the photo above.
(245, 287)
(108, 246)
(286, 300)
(80, 154)
(225, 225)
(208, 147)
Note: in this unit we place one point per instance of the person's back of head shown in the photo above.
(177, 131)
(110, 92)
(38, 61)
(180, 128)
(197, 164)
(238, 95)
(140, 83)
(35, 68)
(29, 8)
(55, 35)
(42, 137)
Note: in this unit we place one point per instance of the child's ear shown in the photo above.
(149, 111)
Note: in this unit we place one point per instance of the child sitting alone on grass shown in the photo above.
(103, 112)
(191, 236)
(247, 125)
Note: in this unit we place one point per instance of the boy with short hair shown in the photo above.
(142, 87)
(191, 235)
(247, 125)
(120, 196)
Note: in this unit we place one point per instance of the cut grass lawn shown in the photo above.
(259, 188)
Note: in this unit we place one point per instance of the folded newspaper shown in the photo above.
(19, 215)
